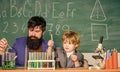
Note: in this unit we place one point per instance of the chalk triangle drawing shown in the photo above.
(97, 12)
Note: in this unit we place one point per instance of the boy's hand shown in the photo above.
(3, 45)
(85, 64)
(74, 58)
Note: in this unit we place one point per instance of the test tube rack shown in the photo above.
(39, 60)
(41, 64)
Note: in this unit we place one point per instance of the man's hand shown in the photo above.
(3, 45)
(50, 46)
(50, 43)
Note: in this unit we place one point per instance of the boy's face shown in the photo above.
(68, 46)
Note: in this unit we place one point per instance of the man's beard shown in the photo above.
(35, 43)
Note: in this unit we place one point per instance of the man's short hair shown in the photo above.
(37, 21)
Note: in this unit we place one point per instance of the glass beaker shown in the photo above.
(8, 60)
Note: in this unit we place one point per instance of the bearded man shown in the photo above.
(34, 42)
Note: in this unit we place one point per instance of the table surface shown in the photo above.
(62, 70)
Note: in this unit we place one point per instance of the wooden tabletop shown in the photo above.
(62, 70)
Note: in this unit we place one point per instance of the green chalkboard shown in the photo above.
(91, 18)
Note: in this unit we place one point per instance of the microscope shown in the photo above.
(99, 58)
(100, 50)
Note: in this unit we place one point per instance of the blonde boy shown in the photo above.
(68, 55)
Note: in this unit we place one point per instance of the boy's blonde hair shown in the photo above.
(72, 36)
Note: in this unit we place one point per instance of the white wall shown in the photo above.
(91, 61)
